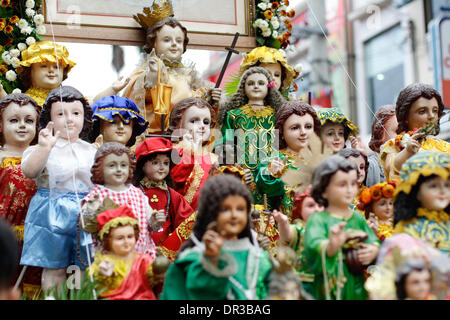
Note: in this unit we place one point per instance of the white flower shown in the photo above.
(16, 90)
(22, 23)
(38, 19)
(29, 4)
(30, 12)
(6, 57)
(262, 6)
(406, 138)
(14, 53)
(266, 1)
(11, 75)
(15, 62)
(275, 24)
(27, 30)
(275, 34)
(257, 23)
(298, 68)
(41, 29)
(264, 25)
(21, 46)
(30, 41)
(266, 33)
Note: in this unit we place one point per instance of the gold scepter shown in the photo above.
(161, 95)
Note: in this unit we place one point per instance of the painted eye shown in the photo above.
(13, 120)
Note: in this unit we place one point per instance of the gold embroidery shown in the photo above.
(169, 254)
(196, 176)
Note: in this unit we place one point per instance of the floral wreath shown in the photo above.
(375, 193)
(335, 116)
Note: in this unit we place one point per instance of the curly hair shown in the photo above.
(350, 152)
(139, 172)
(21, 100)
(286, 110)
(152, 33)
(380, 119)
(66, 94)
(411, 94)
(214, 192)
(323, 174)
(178, 110)
(105, 150)
(406, 205)
(402, 273)
(239, 98)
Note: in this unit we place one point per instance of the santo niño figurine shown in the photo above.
(19, 116)
(222, 259)
(117, 119)
(60, 164)
(112, 173)
(295, 121)
(153, 164)
(418, 109)
(193, 119)
(338, 241)
(422, 203)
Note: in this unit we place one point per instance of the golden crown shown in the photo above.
(154, 14)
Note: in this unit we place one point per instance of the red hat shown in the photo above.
(113, 218)
(152, 145)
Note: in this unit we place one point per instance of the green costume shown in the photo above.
(255, 136)
(316, 240)
(242, 273)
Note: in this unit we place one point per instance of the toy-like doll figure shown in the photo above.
(221, 260)
(153, 164)
(384, 127)
(39, 70)
(295, 121)
(112, 173)
(377, 203)
(418, 109)
(338, 241)
(413, 280)
(193, 120)
(118, 270)
(293, 234)
(168, 38)
(60, 164)
(422, 203)
(117, 119)
(336, 128)
(19, 116)
(249, 116)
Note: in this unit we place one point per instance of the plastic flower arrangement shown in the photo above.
(374, 193)
(20, 26)
(272, 24)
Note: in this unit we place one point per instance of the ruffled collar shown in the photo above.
(259, 113)
(173, 64)
(146, 183)
(38, 94)
(438, 216)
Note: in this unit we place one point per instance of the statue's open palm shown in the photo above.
(47, 138)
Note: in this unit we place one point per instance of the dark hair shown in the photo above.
(107, 235)
(402, 273)
(66, 94)
(139, 172)
(346, 129)
(105, 150)
(350, 152)
(323, 174)
(178, 110)
(239, 98)
(9, 254)
(283, 70)
(286, 110)
(22, 100)
(25, 75)
(379, 120)
(152, 32)
(95, 132)
(406, 205)
(411, 94)
(215, 190)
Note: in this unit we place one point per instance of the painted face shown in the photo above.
(46, 75)
(233, 217)
(434, 194)
(274, 70)
(418, 285)
(18, 125)
(361, 167)
(122, 240)
(332, 135)
(342, 189)
(117, 131)
(383, 208)
(73, 114)
(256, 88)
(297, 130)
(422, 112)
(115, 170)
(391, 128)
(198, 123)
(310, 206)
(158, 168)
(169, 43)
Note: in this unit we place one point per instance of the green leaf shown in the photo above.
(232, 83)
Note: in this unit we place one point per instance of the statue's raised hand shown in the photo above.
(47, 138)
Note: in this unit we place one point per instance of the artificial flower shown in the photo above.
(30, 12)
(388, 191)
(14, 52)
(21, 46)
(27, 30)
(286, 3)
(9, 41)
(8, 29)
(298, 68)
(376, 193)
(16, 91)
(29, 4)
(275, 34)
(5, 3)
(22, 23)
(15, 62)
(30, 41)
(366, 196)
(11, 75)
(3, 68)
(14, 19)
(275, 23)
(266, 33)
(275, 5)
(41, 29)
(291, 13)
(2, 25)
(38, 19)
(262, 6)
(283, 13)
(268, 14)
(14, 4)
